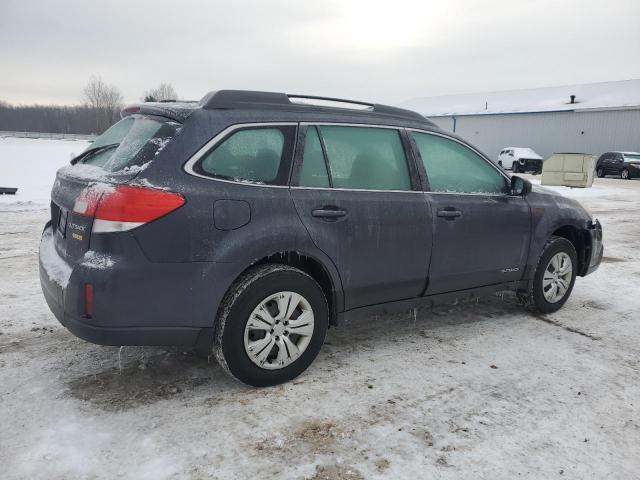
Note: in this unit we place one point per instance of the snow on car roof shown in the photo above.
(620, 94)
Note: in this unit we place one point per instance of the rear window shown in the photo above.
(130, 143)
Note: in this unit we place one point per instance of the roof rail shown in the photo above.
(228, 99)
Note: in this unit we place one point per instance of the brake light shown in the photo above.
(121, 208)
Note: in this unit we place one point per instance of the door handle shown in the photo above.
(328, 212)
(449, 213)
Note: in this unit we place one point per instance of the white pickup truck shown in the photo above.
(520, 160)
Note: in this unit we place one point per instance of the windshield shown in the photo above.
(632, 157)
(130, 143)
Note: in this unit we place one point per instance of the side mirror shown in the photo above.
(520, 187)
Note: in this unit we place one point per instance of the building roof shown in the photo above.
(605, 95)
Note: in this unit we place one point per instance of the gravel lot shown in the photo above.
(482, 390)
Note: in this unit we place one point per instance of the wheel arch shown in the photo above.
(326, 276)
(581, 241)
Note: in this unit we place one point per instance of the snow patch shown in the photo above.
(57, 269)
(136, 168)
(97, 260)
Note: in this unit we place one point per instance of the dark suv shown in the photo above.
(248, 223)
(626, 165)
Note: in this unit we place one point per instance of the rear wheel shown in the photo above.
(600, 172)
(554, 277)
(624, 174)
(271, 325)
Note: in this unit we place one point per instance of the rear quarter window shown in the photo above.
(252, 154)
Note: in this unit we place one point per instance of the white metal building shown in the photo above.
(591, 118)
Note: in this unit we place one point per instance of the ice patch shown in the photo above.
(57, 269)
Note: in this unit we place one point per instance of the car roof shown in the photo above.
(261, 103)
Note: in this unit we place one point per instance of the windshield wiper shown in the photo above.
(92, 151)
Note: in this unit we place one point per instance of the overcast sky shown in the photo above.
(379, 51)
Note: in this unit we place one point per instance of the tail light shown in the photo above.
(121, 208)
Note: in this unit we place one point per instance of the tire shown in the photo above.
(233, 341)
(624, 174)
(537, 300)
(600, 172)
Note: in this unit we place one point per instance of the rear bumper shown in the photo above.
(597, 249)
(136, 302)
(530, 165)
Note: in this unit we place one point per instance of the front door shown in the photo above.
(481, 233)
(359, 199)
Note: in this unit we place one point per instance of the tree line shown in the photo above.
(99, 109)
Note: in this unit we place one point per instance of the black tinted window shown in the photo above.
(452, 167)
(314, 170)
(366, 158)
(251, 155)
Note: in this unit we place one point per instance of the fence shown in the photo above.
(55, 136)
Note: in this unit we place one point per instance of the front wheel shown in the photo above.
(624, 174)
(600, 172)
(271, 325)
(555, 276)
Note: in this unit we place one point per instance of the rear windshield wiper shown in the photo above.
(92, 151)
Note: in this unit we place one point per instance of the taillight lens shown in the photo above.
(121, 208)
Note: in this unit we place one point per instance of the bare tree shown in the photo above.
(105, 99)
(164, 92)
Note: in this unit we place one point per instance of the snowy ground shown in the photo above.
(30, 165)
(474, 391)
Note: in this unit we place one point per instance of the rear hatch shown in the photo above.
(115, 158)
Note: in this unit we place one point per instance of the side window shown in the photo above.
(314, 170)
(252, 155)
(452, 167)
(366, 158)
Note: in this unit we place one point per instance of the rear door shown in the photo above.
(481, 233)
(359, 198)
(607, 163)
(617, 163)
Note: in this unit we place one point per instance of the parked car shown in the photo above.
(248, 223)
(520, 160)
(624, 164)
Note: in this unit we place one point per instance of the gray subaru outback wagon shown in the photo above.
(244, 225)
